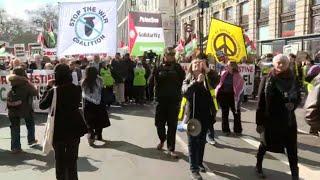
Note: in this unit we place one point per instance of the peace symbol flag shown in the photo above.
(87, 28)
(227, 38)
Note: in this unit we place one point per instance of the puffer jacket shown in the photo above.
(312, 105)
(26, 91)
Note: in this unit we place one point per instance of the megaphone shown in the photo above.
(193, 127)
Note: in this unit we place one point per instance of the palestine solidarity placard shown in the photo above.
(87, 28)
(145, 33)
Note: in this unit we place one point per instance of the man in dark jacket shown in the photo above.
(24, 91)
(167, 80)
(119, 78)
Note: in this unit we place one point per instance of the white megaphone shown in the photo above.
(192, 127)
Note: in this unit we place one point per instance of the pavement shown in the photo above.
(129, 152)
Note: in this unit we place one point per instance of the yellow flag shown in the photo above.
(227, 38)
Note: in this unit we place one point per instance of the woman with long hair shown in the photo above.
(200, 105)
(69, 125)
(94, 106)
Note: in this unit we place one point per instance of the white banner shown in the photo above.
(87, 27)
(38, 77)
(246, 71)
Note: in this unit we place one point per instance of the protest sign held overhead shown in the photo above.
(227, 38)
(88, 27)
(145, 33)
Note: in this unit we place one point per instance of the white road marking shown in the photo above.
(185, 149)
(304, 171)
(245, 109)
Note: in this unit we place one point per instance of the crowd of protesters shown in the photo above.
(97, 82)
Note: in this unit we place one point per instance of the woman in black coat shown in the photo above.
(69, 125)
(279, 96)
(95, 112)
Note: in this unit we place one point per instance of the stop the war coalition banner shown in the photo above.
(246, 70)
(145, 33)
(39, 78)
(87, 28)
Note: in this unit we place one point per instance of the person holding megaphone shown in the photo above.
(199, 111)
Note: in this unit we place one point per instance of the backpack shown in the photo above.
(13, 100)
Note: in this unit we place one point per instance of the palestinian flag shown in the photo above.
(145, 33)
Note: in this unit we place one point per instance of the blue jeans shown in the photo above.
(196, 147)
(15, 131)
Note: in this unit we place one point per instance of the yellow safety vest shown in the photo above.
(184, 102)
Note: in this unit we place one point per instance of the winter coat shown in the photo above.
(26, 91)
(279, 122)
(106, 76)
(119, 71)
(199, 93)
(139, 76)
(68, 123)
(167, 80)
(94, 105)
(312, 105)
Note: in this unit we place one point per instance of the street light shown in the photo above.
(202, 5)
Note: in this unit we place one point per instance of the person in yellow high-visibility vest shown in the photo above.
(211, 81)
(199, 105)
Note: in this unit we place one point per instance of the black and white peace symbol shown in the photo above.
(223, 42)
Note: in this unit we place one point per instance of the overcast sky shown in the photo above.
(16, 8)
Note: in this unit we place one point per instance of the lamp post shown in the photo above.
(202, 5)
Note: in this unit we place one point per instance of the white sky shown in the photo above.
(16, 8)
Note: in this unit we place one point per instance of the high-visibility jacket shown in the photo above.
(106, 77)
(184, 101)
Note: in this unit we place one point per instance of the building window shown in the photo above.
(288, 29)
(264, 33)
(263, 9)
(185, 3)
(216, 15)
(316, 24)
(229, 14)
(288, 6)
(244, 11)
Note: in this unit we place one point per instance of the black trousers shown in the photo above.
(167, 113)
(292, 153)
(196, 147)
(139, 93)
(226, 102)
(66, 156)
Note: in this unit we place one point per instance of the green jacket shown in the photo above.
(139, 77)
(106, 77)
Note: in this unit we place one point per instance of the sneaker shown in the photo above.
(160, 146)
(196, 176)
(260, 173)
(210, 140)
(202, 169)
(16, 151)
(33, 143)
(173, 154)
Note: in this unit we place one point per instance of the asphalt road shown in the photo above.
(129, 152)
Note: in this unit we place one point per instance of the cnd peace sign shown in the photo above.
(223, 42)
